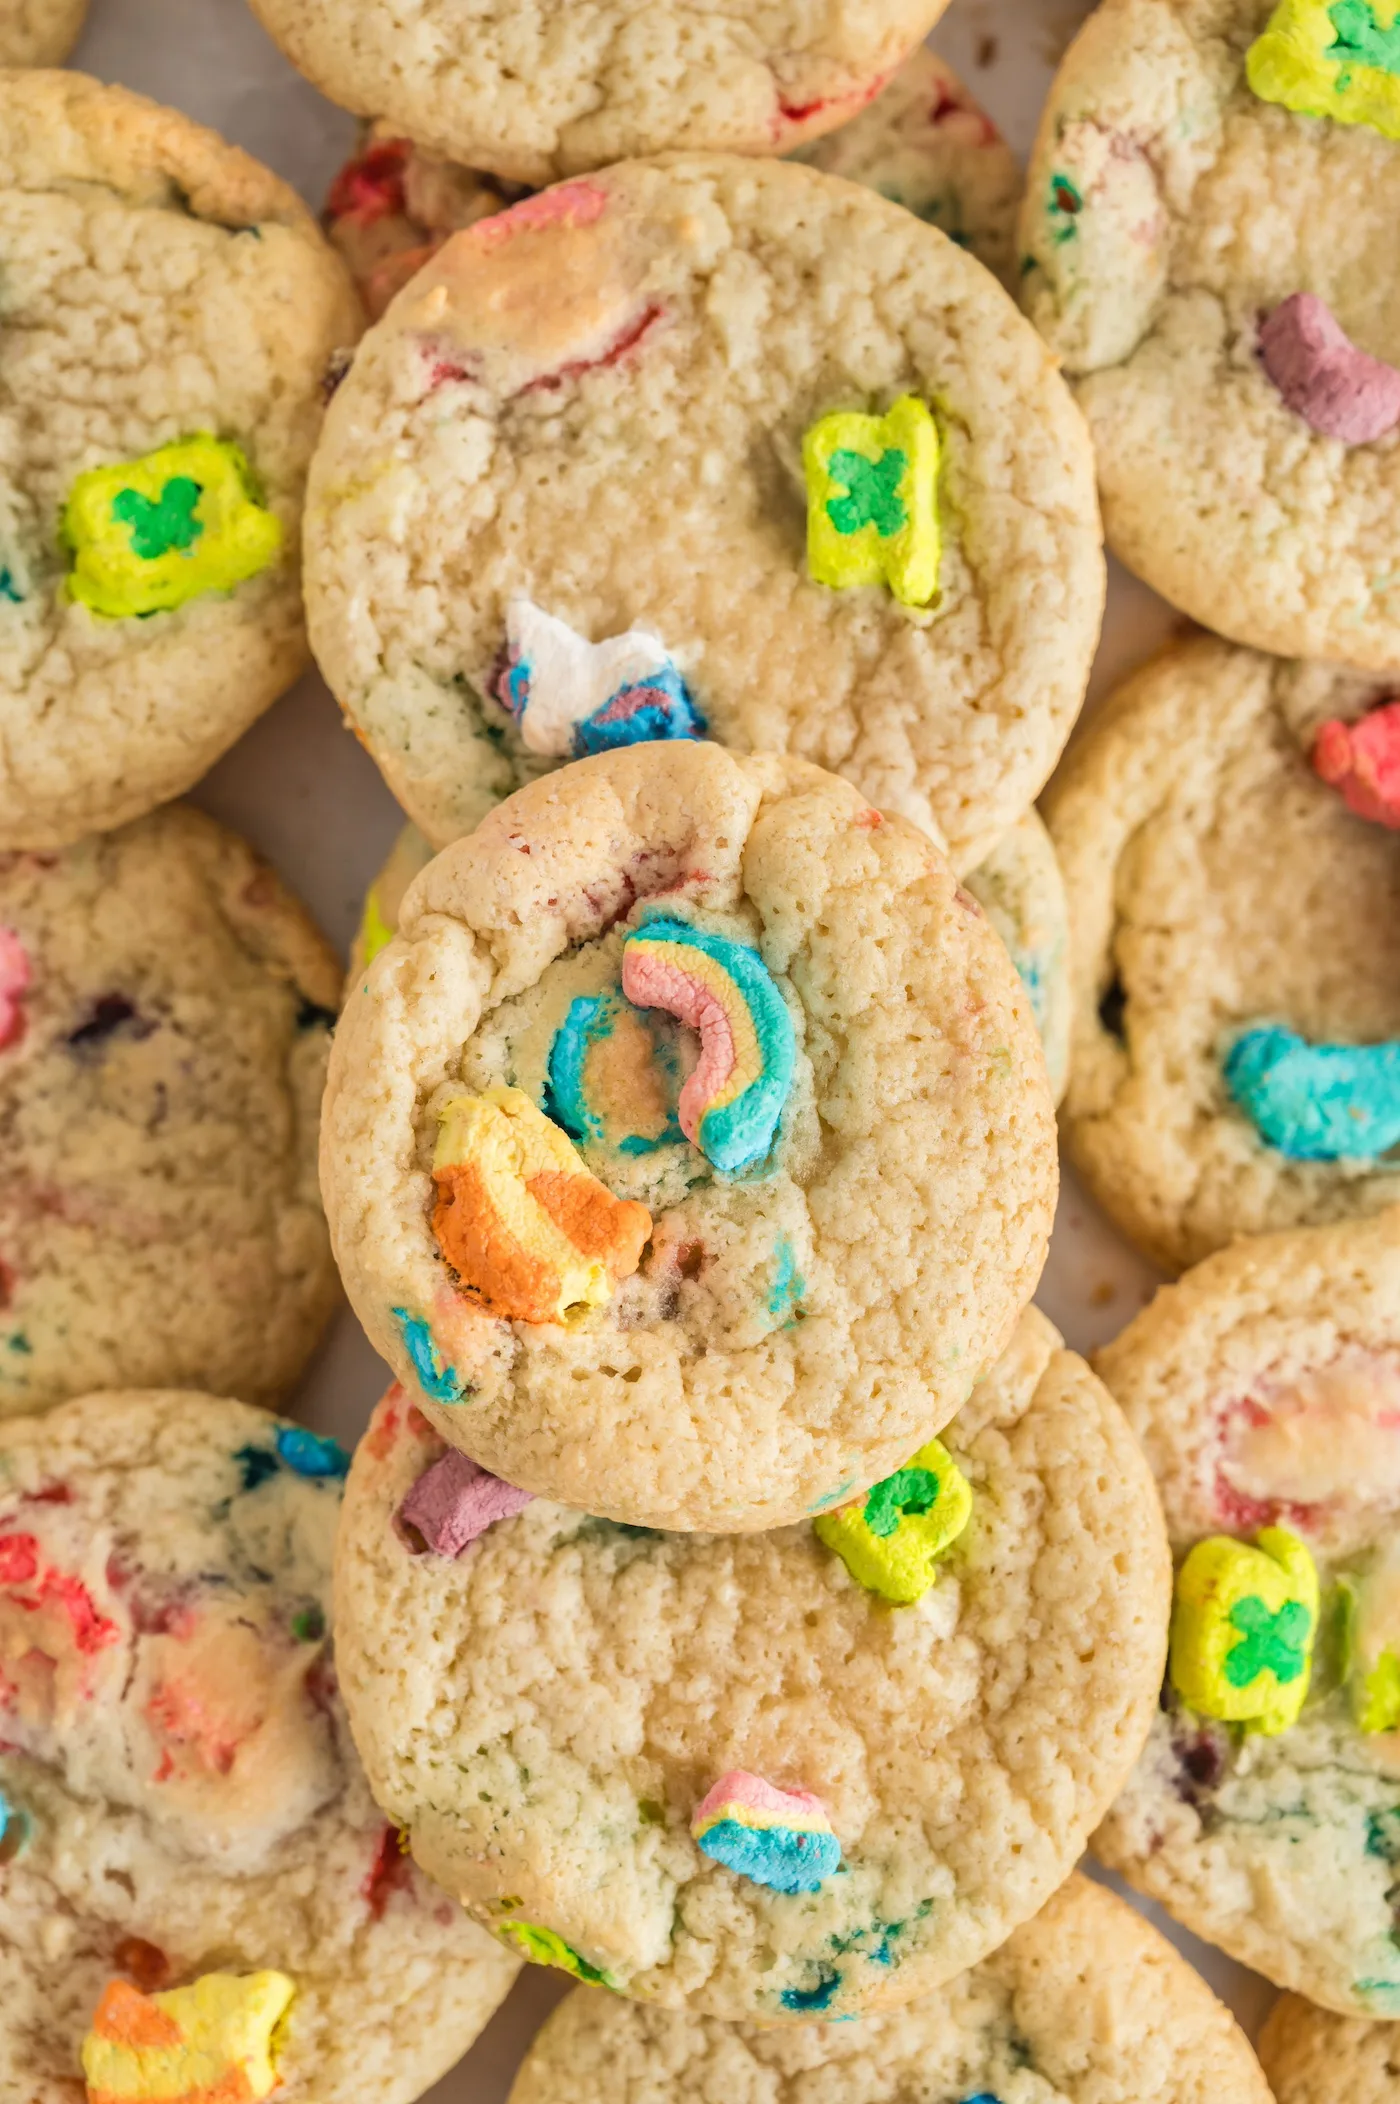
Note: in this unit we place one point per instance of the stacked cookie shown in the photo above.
(743, 1602)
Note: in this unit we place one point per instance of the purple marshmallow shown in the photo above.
(454, 1501)
(1322, 376)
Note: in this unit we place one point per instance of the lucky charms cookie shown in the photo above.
(776, 1776)
(1019, 2026)
(1228, 836)
(1313, 2056)
(925, 142)
(1208, 245)
(199, 1899)
(170, 309)
(1018, 886)
(39, 32)
(534, 89)
(690, 1148)
(608, 471)
(1265, 1811)
(165, 1016)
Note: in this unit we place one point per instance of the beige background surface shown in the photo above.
(303, 791)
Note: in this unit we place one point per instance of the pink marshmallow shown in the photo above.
(454, 1501)
(1362, 761)
(1322, 376)
(653, 982)
(14, 984)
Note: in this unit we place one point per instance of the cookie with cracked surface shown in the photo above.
(925, 142)
(1216, 270)
(39, 32)
(587, 424)
(179, 1795)
(165, 1017)
(170, 309)
(545, 1712)
(552, 87)
(1227, 834)
(1019, 2025)
(690, 1146)
(1313, 2056)
(1018, 886)
(1265, 1387)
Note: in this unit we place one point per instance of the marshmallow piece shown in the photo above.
(571, 697)
(213, 2039)
(1243, 1624)
(779, 1838)
(1322, 376)
(1362, 761)
(455, 1500)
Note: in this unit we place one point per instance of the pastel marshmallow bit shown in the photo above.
(311, 1453)
(780, 1838)
(730, 1106)
(1362, 761)
(150, 534)
(544, 1947)
(891, 1539)
(528, 1231)
(605, 1084)
(1331, 58)
(1318, 1103)
(213, 2042)
(1243, 1625)
(872, 500)
(1370, 1641)
(438, 1381)
(571, 697)
(454, 1501)
(14, 985)
(1322, 376)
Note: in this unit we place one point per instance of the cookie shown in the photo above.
(1210, 252)
(581, 482)
(39, 32)
(192, 1862)
(554, 88)
(1232, 870)
(170, 308)
(690, 1147)
(1312, 2056)
(1019, 888)
(925, 142)
(764, 1776)
(1265, 1811)
(165, 1017)
(1019, 2025)
(1023, 894)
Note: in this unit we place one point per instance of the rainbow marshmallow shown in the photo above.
(730, 1106)
(781, 1838)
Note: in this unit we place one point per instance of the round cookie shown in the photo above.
(1208, 242)
(531, 92)
(1017, 2029)
(39, 32)
(925, 142)
(580, 483)
(170, 310)
(690, 1147)
(179, 1796)
(165, 1017)
(1312, 2056)
(1023, 894)
(764, 1776)
(1019, 887)
(1265, 1811)
(1229, 852)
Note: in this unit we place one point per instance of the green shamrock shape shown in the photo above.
(168, 523)
(1271, 1643)
(907, 1490)
(1361, 39)
(872, 491)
